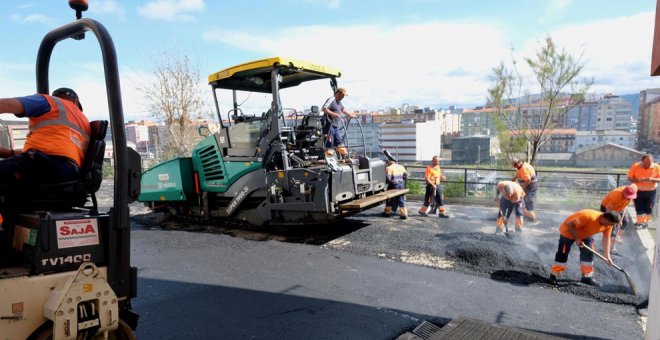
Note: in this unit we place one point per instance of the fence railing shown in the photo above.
(566, 188)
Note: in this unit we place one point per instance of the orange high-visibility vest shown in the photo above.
(62, 131)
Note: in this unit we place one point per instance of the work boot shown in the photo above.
(614, 251)
(443, 215)
(640, 226)
(552, 279)
(518, 229)
(403, 217)
(423, 213)
(590, 281)
(386, 215)
(499, 231)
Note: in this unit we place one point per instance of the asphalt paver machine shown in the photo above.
(64, 265)
(271, 168)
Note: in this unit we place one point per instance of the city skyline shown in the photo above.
(430, 53)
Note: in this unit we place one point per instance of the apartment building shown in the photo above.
(411, 141)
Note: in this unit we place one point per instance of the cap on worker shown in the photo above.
(343, 91)
(69, 93)
(630, 192)
(515, 161)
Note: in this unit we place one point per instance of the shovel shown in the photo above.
(506, 221)
(630, 281)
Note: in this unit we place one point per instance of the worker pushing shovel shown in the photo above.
(432, 176)
(509, 197)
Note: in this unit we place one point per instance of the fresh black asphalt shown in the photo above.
(375, 280)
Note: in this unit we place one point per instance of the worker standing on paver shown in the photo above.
(526, 177)
(579, 228)
(509, 197)
(396, 179)
(617, 200)
(646, 175)
(432, 176)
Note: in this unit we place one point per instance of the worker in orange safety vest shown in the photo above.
(645, 175)
(56, 143)
(396, 179)
(509, 197)
(526, 177)
(579, 228)
(617, 200)
(432, 176)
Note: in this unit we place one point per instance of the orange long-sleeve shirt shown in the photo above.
(638, 171)
(586, 224)
(614, 200)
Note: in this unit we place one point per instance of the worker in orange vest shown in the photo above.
(509, 197)
(56, 143)
(526, 177)
(645, 175)
(579, 228)
(432, 176)
(396, 179)
(617, 200)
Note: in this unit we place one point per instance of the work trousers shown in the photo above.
(644, 202)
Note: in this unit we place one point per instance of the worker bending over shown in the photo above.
(509, 197)
(617, 200)
(396, 179)
(579, 228)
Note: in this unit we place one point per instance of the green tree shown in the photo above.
(523, 126)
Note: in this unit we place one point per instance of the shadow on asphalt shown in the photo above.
(200, 311)
(308, 234)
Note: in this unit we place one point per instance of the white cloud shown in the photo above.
(106, 7)
(32, 19)
(617, 52)
(28, 5)
(171, 10)
(326, 3)
(559, 4)
(429, 63)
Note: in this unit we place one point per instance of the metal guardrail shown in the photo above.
(568, 188)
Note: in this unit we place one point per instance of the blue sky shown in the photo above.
(420, 52)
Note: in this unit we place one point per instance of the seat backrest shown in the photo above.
(91, 173)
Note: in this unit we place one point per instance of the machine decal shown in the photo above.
(77, 233)
(60, 260)
(163, 177)
(166, 185)
(237, 199)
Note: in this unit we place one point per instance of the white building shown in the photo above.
(613, 113)
(410, 142)
(585, 139)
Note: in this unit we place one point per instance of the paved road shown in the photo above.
(212, 286)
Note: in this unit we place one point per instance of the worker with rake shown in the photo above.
(617, 200)
(579, 228)
(509, 197)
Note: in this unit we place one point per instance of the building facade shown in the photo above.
(584, 139)
(410, 141)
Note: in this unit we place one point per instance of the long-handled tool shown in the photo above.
(628, 277)
(506, 220)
